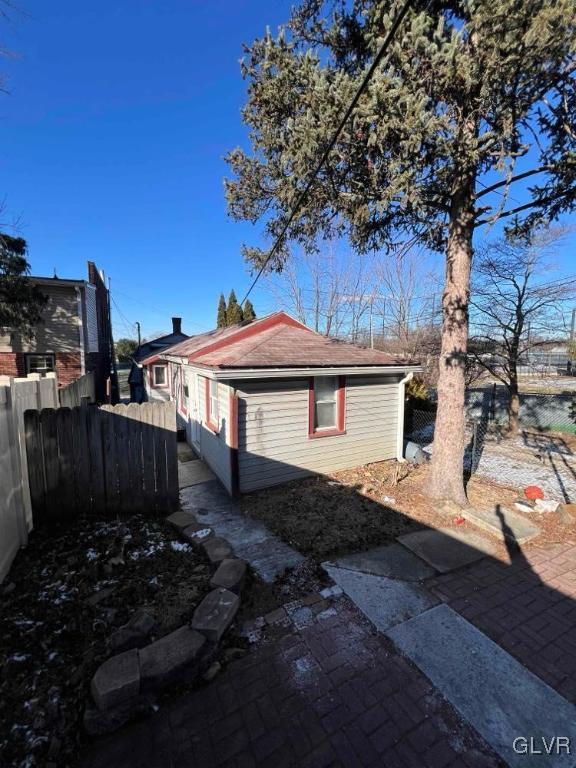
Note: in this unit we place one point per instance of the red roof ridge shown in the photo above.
(242, 330)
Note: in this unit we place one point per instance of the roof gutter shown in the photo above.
(297, 373)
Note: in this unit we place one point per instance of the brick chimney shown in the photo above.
(177, 325)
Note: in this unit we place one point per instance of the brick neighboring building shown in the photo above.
(74, 338)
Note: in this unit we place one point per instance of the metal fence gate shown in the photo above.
(102, 461)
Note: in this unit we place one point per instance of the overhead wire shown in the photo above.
(304, 193)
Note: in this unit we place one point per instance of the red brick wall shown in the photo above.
(68, 365)
(12, 364)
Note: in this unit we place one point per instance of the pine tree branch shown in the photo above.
(532, 204)
(512, 180)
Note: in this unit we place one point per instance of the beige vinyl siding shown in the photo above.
(60, 329)
(214, 448)
(273, 429)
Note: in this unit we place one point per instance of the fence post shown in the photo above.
(474, 444)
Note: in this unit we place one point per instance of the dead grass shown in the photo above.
(357, 509)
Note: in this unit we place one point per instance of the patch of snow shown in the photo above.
(19, 657)
(151, 550)
(178, 546)
(91, 554)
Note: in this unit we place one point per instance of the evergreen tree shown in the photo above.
(471, 100)
(21, 302)
(221, 318)
(234, 311)
(248, 311)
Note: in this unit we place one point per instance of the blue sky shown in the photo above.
(112, 138)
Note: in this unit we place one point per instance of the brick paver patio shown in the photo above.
(329, 692)
(528, 607)
(324, 689)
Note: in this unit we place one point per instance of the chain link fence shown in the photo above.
(487, 417)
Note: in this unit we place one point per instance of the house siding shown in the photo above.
(273, 441)
(215, 447)
(60, 327)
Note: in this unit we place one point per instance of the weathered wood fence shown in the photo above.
(79, 392)
(108, 461)
(16, 396)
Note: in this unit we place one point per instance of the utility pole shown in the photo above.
(138, 327)
(371, 329)
(573, 326)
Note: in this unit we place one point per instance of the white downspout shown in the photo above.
(400, 431)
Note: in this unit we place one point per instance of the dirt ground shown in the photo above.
(354, 510)
(65, 595)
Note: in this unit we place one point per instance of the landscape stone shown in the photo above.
(567, 513)
(230, 575)
(197, 534)
(97, 723)
(180, 519)
(125, 638)
(142, 621)
(217, 549)
(116, 680)
(215, 614)
(133, 634)
(171, 658)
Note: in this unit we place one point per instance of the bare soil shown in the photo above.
(357, 509)
(65, 595)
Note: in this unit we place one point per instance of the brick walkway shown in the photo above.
(329, 692)
(528, 607)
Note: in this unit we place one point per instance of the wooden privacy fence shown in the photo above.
(79, 392)
(16, 396)
(108, 461)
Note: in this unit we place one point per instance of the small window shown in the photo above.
(327, 405)
(159, 375)
(42, 364)
(212, 404)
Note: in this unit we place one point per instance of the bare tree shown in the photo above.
(516, 308)
(330, 293)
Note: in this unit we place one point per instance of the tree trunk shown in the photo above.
(513, 405)
(447, 470)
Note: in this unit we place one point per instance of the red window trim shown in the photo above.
(181, 394)
(340, 428)
(153, 376)
(209, 423)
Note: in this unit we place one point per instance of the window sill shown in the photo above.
(326, 433)
(212, 427)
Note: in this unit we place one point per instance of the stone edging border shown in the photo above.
(125, 685)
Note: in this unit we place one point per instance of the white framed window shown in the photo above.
(159, 374)
(326, 405)
(41, 363)
(212, 404)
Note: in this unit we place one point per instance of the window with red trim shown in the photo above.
(159, 376)
(212, 419)
(182, 392)
(326, 406)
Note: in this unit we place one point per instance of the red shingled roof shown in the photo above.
(275, 341)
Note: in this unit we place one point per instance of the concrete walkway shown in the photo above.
(251, 540)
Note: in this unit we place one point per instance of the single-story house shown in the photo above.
(272, 400)
(156, 387)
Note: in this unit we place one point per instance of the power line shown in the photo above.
(378, 58)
